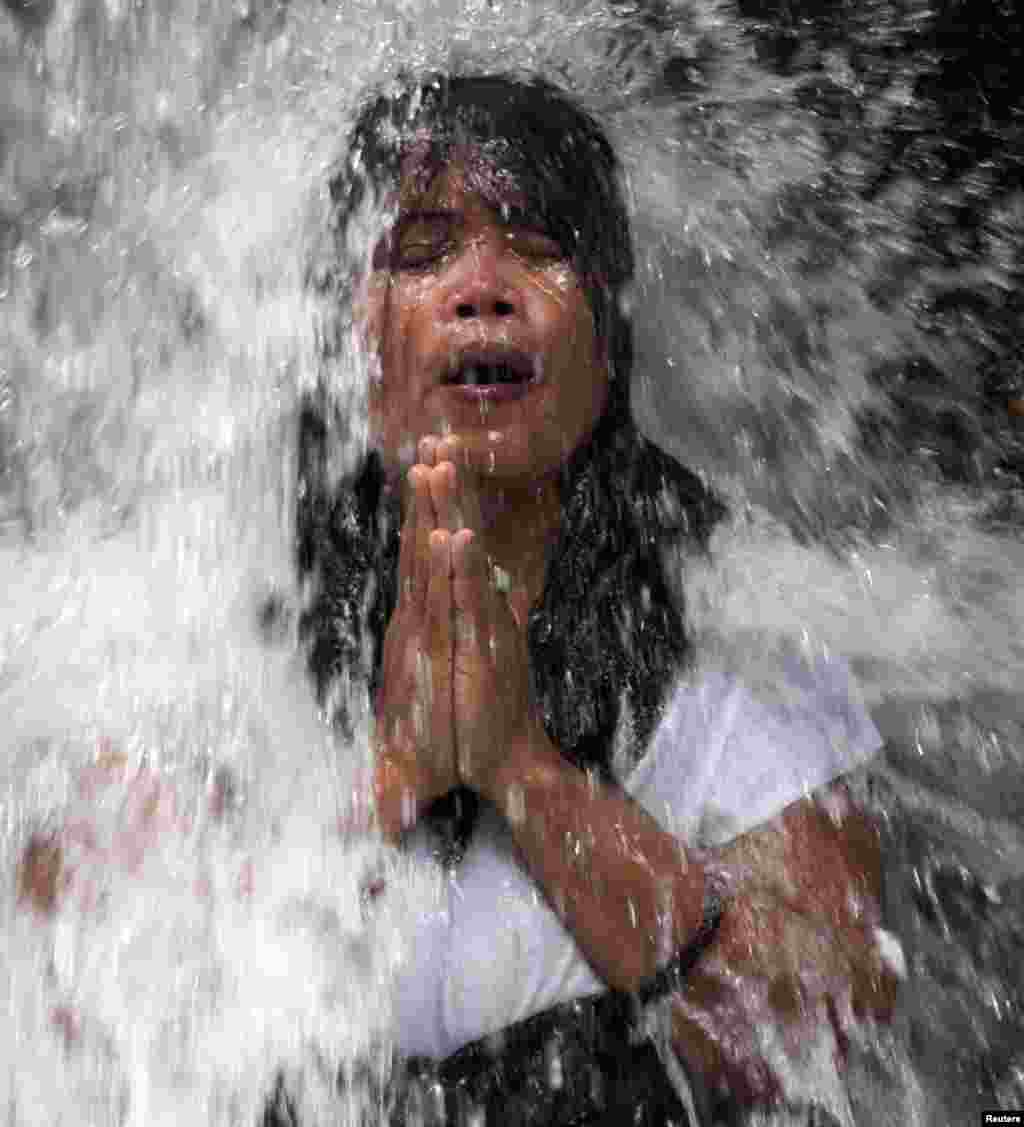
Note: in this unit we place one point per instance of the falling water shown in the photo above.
(828, 321)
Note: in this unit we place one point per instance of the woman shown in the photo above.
(502, 547)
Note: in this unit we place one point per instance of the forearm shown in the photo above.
(393, 798)
(626, 890)
(402, 792)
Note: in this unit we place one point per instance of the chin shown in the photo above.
(513, 458)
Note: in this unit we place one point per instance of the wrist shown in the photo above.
(532, 761)
(671, 977)
(395, 790)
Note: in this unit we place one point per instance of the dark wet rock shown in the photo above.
(838, 110)
(829, 100)
(926, 95)
(932, 420)
(681, 75)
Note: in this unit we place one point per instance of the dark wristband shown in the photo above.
(671, 976)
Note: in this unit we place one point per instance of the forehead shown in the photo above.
(444, 181)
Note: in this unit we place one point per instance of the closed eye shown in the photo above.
(422, 242)
(534, 245)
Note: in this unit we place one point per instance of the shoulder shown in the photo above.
(726, 757)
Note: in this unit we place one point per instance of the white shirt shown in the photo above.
(492, 952)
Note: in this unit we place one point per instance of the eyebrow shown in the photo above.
(516, 218)
(428, 214)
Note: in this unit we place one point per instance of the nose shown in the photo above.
(481, 286)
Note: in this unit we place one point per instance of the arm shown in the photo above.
(626, 890)
(796, 942)
(628, 893)
(797, 946)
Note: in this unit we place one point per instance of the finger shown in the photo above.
(838, 1030)
(787, 998)
(726, 1060)
(407, 536)
(473, 453)
(439, 593)
(875, 988)
(426, 523)
(470, 472)
(471, 592)
(453, 449)
(442, 495)
(414, 547)
(427, 450)
(439, 635)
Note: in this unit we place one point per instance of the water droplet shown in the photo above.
(556, 1073)
(515, 806)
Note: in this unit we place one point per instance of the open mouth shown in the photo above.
(483, 369)
(492, 375)
(481, 375)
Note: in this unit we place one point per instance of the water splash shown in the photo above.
(160, 202)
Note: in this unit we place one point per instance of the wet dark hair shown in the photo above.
(608, 627)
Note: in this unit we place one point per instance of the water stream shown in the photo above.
(830, 232)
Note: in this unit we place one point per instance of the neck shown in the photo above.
(517, 525)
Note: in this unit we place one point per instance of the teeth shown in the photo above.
(482, 374)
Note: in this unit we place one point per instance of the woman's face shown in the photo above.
(483, 332)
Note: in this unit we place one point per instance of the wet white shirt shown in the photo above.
(492, 952)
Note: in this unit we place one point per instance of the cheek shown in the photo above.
(394, 391)
(372, 313)
(379, 399)
(584, 359)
